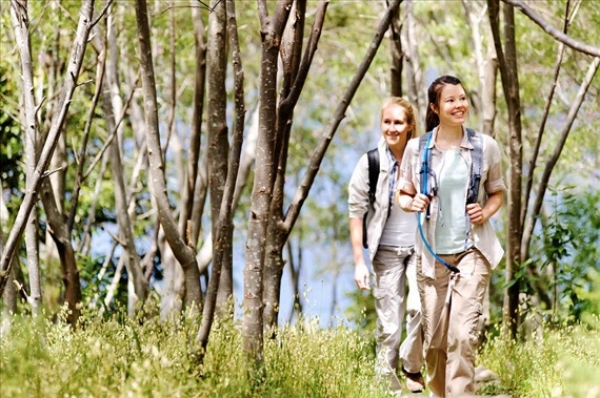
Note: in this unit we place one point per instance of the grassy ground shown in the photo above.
(120, 357)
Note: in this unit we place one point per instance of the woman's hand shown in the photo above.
(475, 213)
(419, 203)
(479, 215)
(361, 276)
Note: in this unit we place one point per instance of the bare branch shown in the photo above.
(111, 136)
(552, 31)
(302, 191)
(549, 167)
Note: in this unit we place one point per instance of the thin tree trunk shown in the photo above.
(62, 238)
(9, 299)
(397, 61)
(291, 58)
(526, 222)
(173, 283)
(224, 231)
(136, 282)
(189, 222)
(74, 65)
(20, 19)
(218, 145)
(184, 254)
(262, 191)
(285, 227)
(507, 60)
(414, 79)
(487, 67)
(295, 276)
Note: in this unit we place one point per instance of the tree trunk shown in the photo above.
(20, 19)
(287, 224)
(189, 221)
(74, 66)
(414, 79)
(291, 56)
(224, 222)
(507, 61)
(137, 285)
(62, 239)
(9, 299)
(262, 191)
(184, 254)
(218, 144)
(397, 54)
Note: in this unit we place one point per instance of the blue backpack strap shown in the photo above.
(426, 171)
(476, 165)
(424, 143)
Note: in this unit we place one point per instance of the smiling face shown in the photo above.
(452, 106)
(394, 125)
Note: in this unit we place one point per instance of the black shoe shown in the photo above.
(414, 381)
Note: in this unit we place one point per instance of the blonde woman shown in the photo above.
(391, 239)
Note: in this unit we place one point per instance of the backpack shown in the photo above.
(373, 158)
(476, 140)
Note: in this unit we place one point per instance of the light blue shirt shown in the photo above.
(451, 230)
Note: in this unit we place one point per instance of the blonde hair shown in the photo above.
(408, 109)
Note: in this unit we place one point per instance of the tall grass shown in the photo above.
(123, 357)
(563, 362)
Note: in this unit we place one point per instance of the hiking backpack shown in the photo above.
(476, 140)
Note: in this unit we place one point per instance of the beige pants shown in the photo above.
(451, 307)
(392, 268)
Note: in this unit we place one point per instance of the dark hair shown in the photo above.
(433, 98)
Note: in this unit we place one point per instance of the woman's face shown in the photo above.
(453, 105)
(394, 126)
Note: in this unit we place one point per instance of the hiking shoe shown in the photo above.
(414, 381)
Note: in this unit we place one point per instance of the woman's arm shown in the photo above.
(479, 215)
(412, 203)
(361, 273)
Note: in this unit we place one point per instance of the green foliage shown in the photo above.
(567, 248)
(11, 143)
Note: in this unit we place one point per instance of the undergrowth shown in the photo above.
(123, 357)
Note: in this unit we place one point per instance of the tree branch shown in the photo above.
(552, 31)
(315, 162)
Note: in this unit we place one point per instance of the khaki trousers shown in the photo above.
(392, 267)
(451, 305)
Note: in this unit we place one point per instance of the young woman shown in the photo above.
(391, 239)
(456, 246)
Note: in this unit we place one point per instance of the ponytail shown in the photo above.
(432, 119)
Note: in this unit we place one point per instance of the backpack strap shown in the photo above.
(373, 157)
(424, 142)
(426, 172)
(476, 165)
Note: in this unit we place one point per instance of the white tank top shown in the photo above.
(400, 229)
